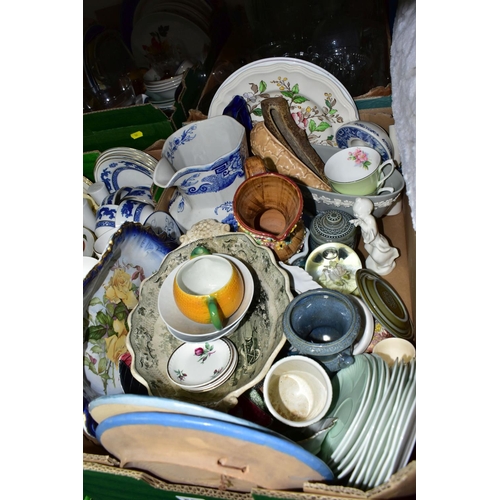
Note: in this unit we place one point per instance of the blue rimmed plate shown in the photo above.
(123, 173)
(206, 452)
(118, 404)
(363, 133)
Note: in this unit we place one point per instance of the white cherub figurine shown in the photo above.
(381, 255)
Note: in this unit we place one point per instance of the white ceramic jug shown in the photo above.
(204, 161)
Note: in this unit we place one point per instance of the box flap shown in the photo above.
(133, 126)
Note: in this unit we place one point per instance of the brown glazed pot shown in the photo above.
(268, 206)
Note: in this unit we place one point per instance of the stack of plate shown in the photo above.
(202, 366)
(375, 432)
(161, 93)
(183, 443)
(124, 167)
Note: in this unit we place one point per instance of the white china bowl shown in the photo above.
(186, 330)
(88, 264)
(297, 391)
(101, 243)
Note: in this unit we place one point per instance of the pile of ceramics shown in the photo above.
(121, 192)
(292, 258)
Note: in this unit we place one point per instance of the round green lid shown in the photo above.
(385, 304)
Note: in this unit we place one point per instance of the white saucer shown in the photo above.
(202, 366)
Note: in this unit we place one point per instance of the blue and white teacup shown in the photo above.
(133, 211)
(140, 193)
(105, 219)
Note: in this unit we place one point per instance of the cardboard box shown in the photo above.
(104, 479)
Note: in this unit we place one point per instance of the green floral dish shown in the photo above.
(258, 339)
(110, 292)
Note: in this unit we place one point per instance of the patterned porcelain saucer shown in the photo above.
(202, 366)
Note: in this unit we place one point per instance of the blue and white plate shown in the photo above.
(366, 134)
(123, 173)
(207, 452)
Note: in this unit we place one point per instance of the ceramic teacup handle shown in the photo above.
(387, 189)
(383, 177)
(215, 313)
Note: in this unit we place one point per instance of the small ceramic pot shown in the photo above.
(333, 226)
(323, 324)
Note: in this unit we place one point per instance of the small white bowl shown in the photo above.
(395, 348)
(88, 264)
(297, 391)
(101, 243)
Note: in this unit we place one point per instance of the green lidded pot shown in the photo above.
(333, 226)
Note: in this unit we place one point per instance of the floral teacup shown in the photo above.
(357, 171)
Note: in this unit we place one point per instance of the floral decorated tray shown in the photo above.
(258, 339)
(110, 292)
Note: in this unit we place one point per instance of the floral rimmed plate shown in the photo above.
(110, 292)
(258, 338)
(319, 103)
